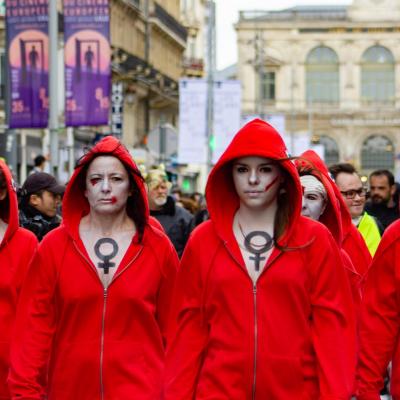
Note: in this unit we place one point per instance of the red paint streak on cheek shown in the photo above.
(271, 184)
(93, 182)
(113, 200)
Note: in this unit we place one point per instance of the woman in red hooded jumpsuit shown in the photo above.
(91, 323)
(261, 309)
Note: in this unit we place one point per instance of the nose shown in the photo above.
(253, 178)
(105, 186)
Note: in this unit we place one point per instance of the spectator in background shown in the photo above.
(354, 195)
(39, 162)
(40, 198)
(381, 204)
(176, 221)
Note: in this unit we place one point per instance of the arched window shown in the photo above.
(331, 149)
(322, 76)
(377, 153)
(377, 75)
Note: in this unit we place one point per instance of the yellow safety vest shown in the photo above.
(370, 232)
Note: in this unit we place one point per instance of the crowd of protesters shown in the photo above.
(281, 282)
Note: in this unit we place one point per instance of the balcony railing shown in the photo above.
(170, 22)
(193, 63)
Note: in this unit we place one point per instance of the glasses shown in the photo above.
(350, 194)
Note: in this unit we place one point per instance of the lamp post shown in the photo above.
(53, 86)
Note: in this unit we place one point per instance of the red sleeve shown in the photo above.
(187, 329)
(169, 268)
(380, 320)
(333, 320)
(34, 328)
(29, 250)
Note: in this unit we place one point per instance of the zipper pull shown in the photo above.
(105, 292)
(254, 288)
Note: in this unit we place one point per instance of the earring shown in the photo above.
(282, 190)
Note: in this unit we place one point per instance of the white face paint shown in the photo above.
(257, 181)
(314, 196)
(107, 185)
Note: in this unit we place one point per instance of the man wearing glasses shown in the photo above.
(354, 195)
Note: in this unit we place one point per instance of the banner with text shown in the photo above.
(87, 62)
(28, 58)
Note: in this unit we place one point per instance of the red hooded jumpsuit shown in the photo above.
(380, 320)
(290, 335)
(337, 219)
(94, 343)
(16, 250)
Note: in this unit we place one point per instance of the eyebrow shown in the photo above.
(259, 165)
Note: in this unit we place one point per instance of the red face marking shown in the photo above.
(113, 200)
(93, 181)
(271, 184)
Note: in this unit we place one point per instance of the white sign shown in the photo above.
(227, 105)
(192, 144)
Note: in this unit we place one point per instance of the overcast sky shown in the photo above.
(228, 15)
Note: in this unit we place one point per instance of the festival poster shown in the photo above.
(28, 57)
(87, 62)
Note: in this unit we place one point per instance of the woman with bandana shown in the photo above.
(261, 309)
(333, 213)
(92, 319)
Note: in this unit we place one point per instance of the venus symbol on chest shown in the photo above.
(106, 263)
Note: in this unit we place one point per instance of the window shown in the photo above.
(322, 76)
(377, 153)
(377, 76)
(331, 149)
(268, 86)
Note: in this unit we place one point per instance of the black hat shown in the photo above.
(42, 181)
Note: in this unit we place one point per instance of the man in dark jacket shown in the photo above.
(383, 204)
(176, 221)
(40, 199)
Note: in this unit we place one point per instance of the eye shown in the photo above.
(311, 196)
(266, 168)
(116, 178)
(241, 169)
(94, 181)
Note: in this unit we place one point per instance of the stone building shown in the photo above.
(332, 72)
(193, 16)
(148, 42)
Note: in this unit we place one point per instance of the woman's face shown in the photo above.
(313, 204)
(257, 181)
(107, 185)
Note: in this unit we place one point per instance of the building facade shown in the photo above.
(332, 72)
(193, 16)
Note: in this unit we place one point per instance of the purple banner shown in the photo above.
(27, 47)
(87, 62)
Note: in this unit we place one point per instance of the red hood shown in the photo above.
(9, 207)
(336, 215)
(75, 204)
(257, 138)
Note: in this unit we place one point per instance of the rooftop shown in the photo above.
(318, 12)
